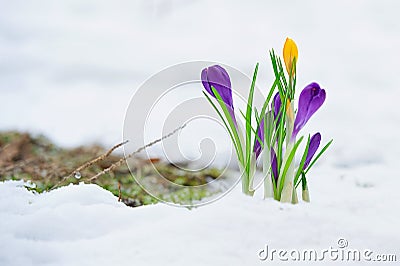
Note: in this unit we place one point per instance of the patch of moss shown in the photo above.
(37, 159)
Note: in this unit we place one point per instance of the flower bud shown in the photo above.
(290, 55)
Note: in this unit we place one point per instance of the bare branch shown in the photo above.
(119, 162)
(90, 163)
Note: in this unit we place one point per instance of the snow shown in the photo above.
(86, 225)
(62, 55)
(62, 63)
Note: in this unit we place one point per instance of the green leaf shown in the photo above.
(274, 186)
(248, 119)
(288, 162)
(281, 71)
(223, 120)
(294, 78)
(271, 92)
(230, 122)
(254, 131)
(319, 155)
(303, 181)
(303, 160)
(279, 74)
(258, 120)
(250, 109)
(273, 61)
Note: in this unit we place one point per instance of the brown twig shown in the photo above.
(100, 158)
(119, 162)
(90, 163)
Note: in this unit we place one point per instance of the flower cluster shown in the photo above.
(275, 138)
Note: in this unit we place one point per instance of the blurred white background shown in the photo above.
(69, 68)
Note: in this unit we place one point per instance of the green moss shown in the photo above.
(45, 165)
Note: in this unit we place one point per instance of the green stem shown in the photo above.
(288, 194)
(268, 185)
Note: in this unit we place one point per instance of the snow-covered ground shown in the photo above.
(69, 68)
(85, 225)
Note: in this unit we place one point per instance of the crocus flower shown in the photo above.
(277, 107)
(260, 134)
(269, 117)
(217, 77)
(290, 54)
(274, 165)
(312, 148)
(311, 99)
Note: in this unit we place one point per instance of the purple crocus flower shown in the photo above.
(277, 107)
(260, 134)
(312, 149)
(311, 99)
(274, 165)
(217, 77)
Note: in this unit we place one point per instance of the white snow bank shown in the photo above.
(85, 225)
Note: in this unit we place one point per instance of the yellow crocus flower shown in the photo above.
(290, 53)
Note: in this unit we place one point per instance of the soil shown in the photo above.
(37, 159)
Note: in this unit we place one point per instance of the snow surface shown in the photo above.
(85, 225)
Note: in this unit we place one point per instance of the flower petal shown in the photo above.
(290, 54)
(277, 106)
(311, 99)
(274, 165)
(260, 134)
(217, 77)
(312, 149)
